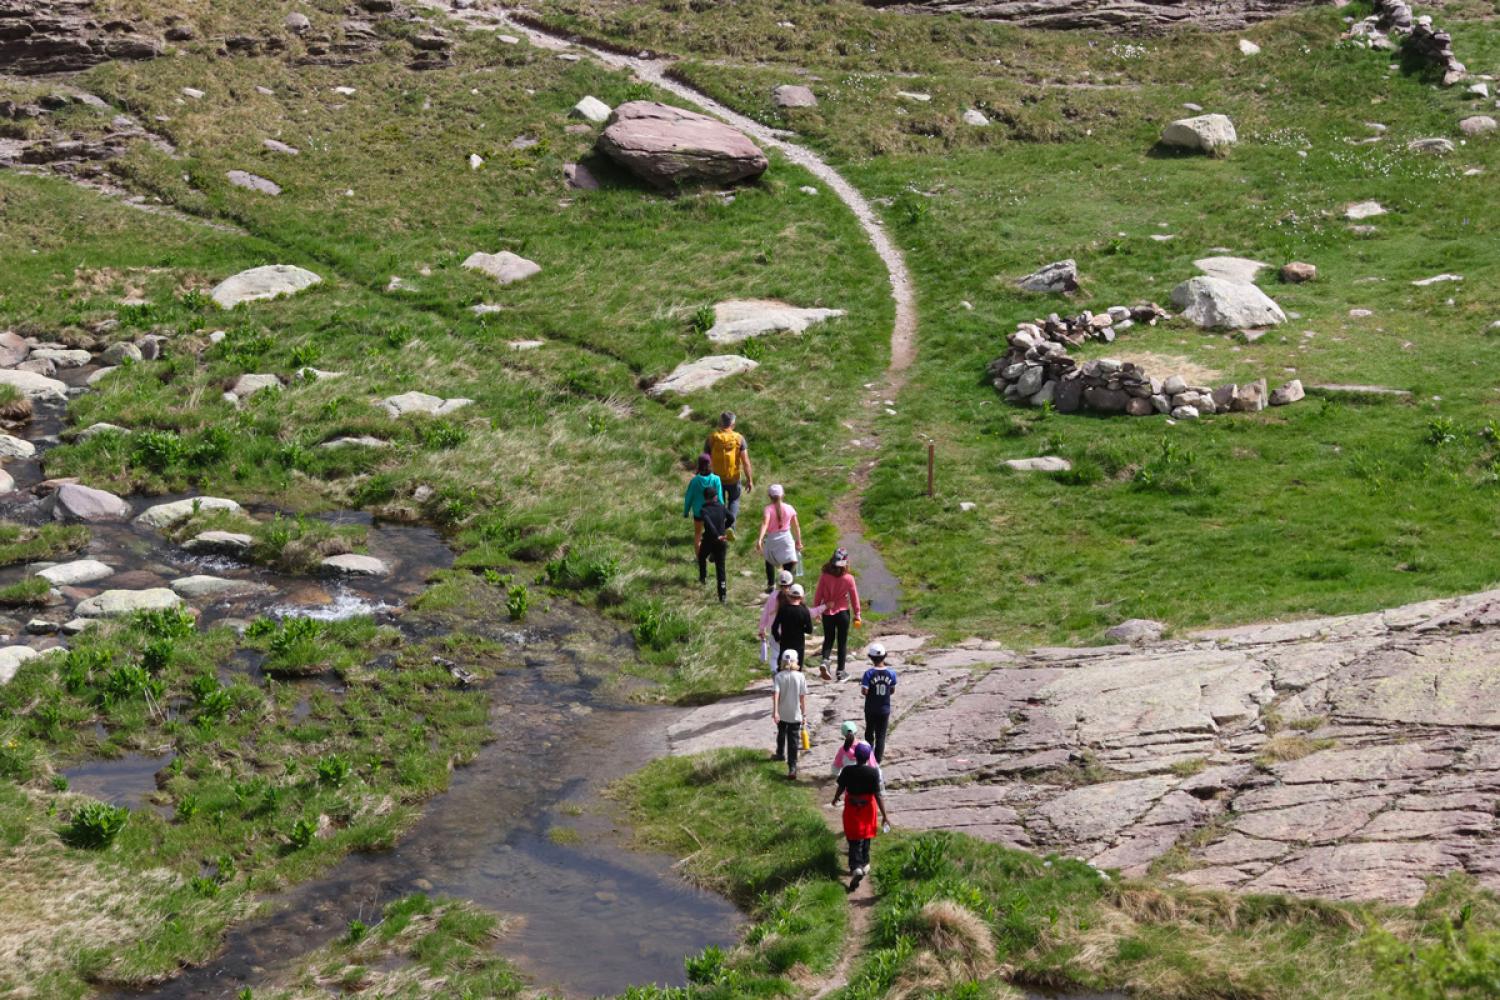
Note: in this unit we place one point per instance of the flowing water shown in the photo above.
(523, 830)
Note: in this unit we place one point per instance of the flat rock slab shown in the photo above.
(793, 95)
(202, 587)
(505, 267)
(62, 357)
(262, 283)
(1361, 210)
(1337, 389)
(35, 387)
(228, 543)
(1046, 463)
(73, 502)
(353, 564)
(164, 515)
(1240, 269)
(590, 109)
(11, 658)
(421, 402)
(740, 319)
(118, 603)
(1215, 303)
(669, 147)
(692, 376)
(253, 182)
(249, 384)
(1400, 782)
(363, 441)
(76, 573)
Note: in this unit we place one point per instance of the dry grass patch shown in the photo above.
(1280, 749)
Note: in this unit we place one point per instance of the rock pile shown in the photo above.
(1041, 372)
(1071, 331)
(1394, 17)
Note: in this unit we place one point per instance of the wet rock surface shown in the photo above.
(1385, 768)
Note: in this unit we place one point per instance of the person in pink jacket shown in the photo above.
(837, 599)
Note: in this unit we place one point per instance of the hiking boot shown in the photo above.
(840, 675)
(791, 775)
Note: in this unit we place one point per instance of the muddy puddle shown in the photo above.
(123, 781)
(879, 590)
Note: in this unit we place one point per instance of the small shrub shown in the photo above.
(440, 435)
(704, 319)
(357, 931)
(577, 570)
(157, 654)
(1441, 431)
(157, 450)
(166, 623)
(94, 825)
(659, 627)
(332, 770)
(517, 601)
(302, 833)
(127, 682)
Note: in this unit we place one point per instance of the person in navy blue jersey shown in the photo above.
(877, 685)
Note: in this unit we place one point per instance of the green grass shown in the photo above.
(1323, 507)
(561, 450)
(27, 543)
(958, 917)
(418, 946)
(257, 791)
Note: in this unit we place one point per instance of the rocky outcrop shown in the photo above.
(669, 147)
(59, 36)
(691, 376)
(1388, 770)
(265, 282)
(1139, 16)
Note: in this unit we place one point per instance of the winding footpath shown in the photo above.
(880, 585)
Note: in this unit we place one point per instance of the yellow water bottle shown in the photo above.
(806, 739)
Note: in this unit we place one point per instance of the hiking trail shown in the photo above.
(883, 588)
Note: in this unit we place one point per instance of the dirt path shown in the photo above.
(877, 582)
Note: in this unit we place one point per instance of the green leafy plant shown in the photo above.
(94, 825)
(517, 601)
(302, 833)
(332, 770)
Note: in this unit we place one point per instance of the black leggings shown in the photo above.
(836, 625)
(875, 726)
(788, 742)
(711, 549)
(772, 570)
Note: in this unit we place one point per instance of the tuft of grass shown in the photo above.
(34, 543)
(28, 592)
(1282, 748)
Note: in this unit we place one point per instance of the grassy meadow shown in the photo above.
(1328, 506)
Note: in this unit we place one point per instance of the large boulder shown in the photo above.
(1059, 276)
(1214, 303)
(1206, 133)
(262, 283)
(1241, 269)
(791, 95)
(421, 402)
(669, 146)
(740, 319)
(13, 349)
(690, 376)
(505, 267)
(73, 502)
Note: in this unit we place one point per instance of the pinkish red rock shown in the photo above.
(670, 147)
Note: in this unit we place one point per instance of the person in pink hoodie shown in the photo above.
(837, 599)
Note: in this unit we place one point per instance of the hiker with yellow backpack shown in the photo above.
(729, 457)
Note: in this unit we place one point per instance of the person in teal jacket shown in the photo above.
(692, 500)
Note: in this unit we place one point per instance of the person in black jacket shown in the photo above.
(717, 520)
(793, 624)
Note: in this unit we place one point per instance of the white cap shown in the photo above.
(785, 578)
(876, 651)
(776, 490)
(796, 590)
(788, 656)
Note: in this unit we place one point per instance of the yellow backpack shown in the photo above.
(724, 449)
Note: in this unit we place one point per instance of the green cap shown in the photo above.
(850, 729)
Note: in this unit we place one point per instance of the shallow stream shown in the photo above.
(523, 830)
